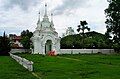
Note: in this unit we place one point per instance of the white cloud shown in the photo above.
(21, 17)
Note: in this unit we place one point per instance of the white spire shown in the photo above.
(51, 17)
(45, 16)
(45, 10)
(52, 20)
(39, 17)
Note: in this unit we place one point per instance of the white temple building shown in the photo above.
(69, 31)
(45, 38)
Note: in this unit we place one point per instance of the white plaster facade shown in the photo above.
(45, 38)
(18, 43)
(69, 31)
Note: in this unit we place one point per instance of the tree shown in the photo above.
(25, 42)
(26, 35)
(83, 26)
(92, 40)
(4, 45)
(113, 21)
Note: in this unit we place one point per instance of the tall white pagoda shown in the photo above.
(45, 38)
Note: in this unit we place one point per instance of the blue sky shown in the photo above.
(18, 15)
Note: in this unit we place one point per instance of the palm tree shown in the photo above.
(83, 26)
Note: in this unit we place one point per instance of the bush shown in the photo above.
(4, 45)
(4, 53)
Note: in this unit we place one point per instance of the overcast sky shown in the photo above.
(19, 15)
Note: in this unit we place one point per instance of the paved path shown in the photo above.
(36, 75)
(71, 58)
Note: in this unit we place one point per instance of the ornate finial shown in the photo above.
(39, 17)
(51, 14)
(51, 17)
(45, 9)
(39, 14)
(52, 20)
(45, 4)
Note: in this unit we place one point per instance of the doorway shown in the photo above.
(48, 46)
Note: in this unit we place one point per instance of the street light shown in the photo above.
(72, 49)
(73, 46)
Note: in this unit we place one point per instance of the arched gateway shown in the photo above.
(48, 46)
(45, 38)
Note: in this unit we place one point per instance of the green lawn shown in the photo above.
(10, 69)
(76, 66)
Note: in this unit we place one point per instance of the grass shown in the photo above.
(76, 66)
(10, 69)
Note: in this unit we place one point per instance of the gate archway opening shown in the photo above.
(48, 46)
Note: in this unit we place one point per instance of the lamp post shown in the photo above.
(72, 49)
(73, 46)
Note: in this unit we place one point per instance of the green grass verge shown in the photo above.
(76, 66)
(10, 69)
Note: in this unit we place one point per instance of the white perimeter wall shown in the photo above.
(81, 51)
(72, 51)
(19, 50)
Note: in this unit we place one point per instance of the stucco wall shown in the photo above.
(73, 51)
(19, 50)
(77, 51)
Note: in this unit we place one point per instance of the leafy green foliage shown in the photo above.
(113, 21)
(83, 26)
(26, 35)
(91, 40)
(4, 45)
(26, 42)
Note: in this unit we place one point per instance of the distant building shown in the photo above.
(15, 41)
(69, 31)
